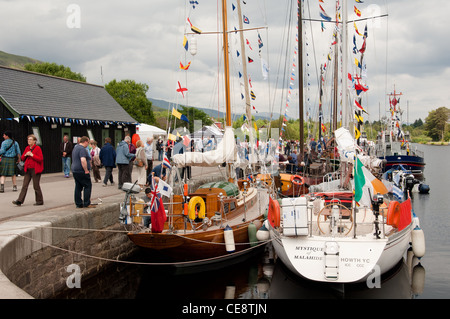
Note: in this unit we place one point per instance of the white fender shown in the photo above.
(418, 242)
(229, 239)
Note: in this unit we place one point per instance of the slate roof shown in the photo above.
(34, 94)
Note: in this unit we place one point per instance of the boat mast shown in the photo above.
(248, 109)
(226, 63)
(300, 82)
(345, 99)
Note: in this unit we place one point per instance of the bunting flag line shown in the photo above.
(357, 133)
(185, 67)
(324, 15)
(359, 118)
(193, 3)
(358, 13)
(193, 28)
(248, 43)
(260, 42)
(185, 43)
(356, 29)
(363, 48)
(359, 106)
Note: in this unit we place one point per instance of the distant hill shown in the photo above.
(161, 104)
(15, 61)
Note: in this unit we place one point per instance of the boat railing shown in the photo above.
(346, 223)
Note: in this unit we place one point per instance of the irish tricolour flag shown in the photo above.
(366, 185)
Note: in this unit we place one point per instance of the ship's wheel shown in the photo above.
(344, 224)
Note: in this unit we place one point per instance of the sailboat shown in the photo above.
(348, 232)
(393, 144)
(216, 222)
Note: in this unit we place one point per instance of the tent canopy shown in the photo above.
(145, 130)
(208, 131)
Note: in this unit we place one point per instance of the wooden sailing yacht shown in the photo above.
(349, 231)
(214, 223)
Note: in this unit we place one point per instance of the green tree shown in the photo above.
(417, 123)
(435, 123)
(132, 97)
(55, 70)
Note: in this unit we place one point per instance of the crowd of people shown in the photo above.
(86, 156)
(80, 159)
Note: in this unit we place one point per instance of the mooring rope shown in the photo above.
(143, 263)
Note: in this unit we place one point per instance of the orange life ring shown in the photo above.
(274, 213)
(393, 214)
(295, 180)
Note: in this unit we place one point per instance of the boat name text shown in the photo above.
(311, 249)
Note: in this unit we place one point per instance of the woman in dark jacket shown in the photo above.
(108, 159)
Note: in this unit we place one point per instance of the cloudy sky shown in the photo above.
(142, 40)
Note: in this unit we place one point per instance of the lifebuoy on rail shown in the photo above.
(297, 180)
(393, 214)
(193, 202)
(274, 213)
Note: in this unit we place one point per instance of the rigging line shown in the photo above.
(280, 58)
(229, 31)
(141, 263)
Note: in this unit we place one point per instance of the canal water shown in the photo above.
(261, 277)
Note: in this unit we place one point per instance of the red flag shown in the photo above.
(363, 48)
(186, 140)
(180, 89)
(158, 214)
(405, 215)
(158, 218)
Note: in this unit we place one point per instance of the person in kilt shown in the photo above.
(9, 153)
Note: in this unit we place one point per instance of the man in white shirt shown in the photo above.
(148, 147)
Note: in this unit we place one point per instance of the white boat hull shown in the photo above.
(340, 260)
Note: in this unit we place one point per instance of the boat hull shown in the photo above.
(195, 248)
(416, 164)
(355, 260)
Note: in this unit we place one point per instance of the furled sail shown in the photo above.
(346, 145)
(224, 153)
